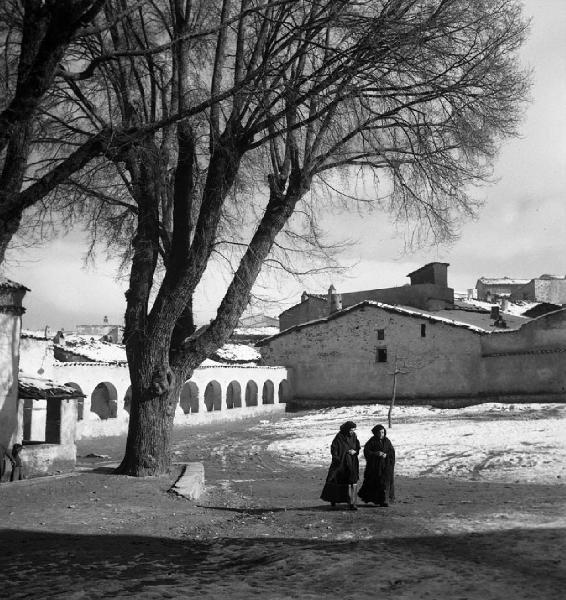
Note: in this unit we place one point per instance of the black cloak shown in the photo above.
(345, 467)
(378, 486)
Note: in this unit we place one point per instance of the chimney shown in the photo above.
(504, 304)
(494, 314)
(334, 300)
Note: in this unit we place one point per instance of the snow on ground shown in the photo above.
(496, 442)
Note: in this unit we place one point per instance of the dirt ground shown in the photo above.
(261, 531)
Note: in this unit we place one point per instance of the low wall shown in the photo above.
(47, 459)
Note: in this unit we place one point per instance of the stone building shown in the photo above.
(491, 289)
(546, 288)
(350, 356)
(110, 333)
(428, 291)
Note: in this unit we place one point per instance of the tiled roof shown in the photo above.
(36, 388)
(12, 285)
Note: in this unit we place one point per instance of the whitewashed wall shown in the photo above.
(115, 377)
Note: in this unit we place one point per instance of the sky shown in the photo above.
(520, 231)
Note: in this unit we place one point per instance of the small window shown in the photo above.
(423, 330)
(381, 355)
(381, 334)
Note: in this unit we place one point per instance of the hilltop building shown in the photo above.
(546, 288)
(110, 333)
(428, 291)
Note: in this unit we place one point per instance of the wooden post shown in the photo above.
(392, 403)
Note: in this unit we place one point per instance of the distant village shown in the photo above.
(502, 341)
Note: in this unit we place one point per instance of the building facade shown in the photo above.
(353, 355)
(546, 288)
(490, 289)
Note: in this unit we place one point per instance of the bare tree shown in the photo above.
(34, 36)
(241, 111)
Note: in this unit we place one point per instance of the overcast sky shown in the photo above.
(520, 231)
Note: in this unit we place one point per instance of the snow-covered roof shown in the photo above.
(106, 352)
(256, 331)
(239, 353)
(36, 388)
(12, 285)
(409, 312)
(502, 281)
(35, 334)
(92, 349)
(517, 308)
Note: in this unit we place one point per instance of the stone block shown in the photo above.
(191, 482)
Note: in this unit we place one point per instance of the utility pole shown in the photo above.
(396, 371)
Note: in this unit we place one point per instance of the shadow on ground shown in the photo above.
(478, 565)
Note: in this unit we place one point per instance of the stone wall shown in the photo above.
(51, 448)
(427, 296)
(308, 310)
(530, 361)
(549, 290)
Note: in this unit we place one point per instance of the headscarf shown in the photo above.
(376, 430)
(345, 427)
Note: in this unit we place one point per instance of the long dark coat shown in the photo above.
(378, 485)
(344, 469)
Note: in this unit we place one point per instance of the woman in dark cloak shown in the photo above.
(380, 466)
(344, 470)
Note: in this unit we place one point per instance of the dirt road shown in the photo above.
(260, 531)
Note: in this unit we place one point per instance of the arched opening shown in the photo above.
(234, 395)
(284, 391)
(128, 399)
(80, 401)
(189, 398)
(267, 393)
(251, 393)
(213, 396)
(103, 401)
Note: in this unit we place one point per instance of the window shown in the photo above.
(423, 330)
(381, 334)
(381, 355)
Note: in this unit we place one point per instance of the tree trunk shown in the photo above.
(152, 411)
